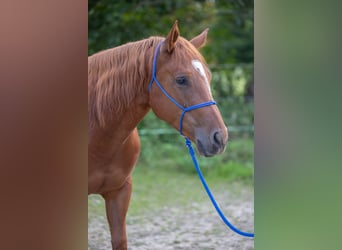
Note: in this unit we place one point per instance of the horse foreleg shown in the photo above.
(116, 208)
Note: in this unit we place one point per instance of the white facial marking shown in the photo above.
(199, 68)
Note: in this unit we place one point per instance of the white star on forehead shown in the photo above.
(199, 68)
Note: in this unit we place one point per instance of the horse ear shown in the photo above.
(172, 37)
(200, 40)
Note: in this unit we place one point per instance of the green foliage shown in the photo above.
(112, 23)
(230, 40)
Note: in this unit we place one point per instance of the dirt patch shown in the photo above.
(195, 226)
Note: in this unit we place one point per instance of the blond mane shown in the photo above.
(116, 75)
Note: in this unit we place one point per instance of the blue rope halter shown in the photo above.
(188, 142)
(184, 109)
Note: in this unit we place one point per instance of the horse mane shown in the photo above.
(116, 76)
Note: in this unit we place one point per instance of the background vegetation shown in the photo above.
(229, 54)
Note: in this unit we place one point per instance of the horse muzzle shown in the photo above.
(213, 144)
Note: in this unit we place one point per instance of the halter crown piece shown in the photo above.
(188, 142)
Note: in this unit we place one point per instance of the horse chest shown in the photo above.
(110, 172)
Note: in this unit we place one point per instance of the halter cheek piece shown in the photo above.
(184, 109)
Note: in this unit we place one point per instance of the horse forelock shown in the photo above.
(185, 51)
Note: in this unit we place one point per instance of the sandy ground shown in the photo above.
(195, 226)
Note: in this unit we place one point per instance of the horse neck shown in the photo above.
(123, 118)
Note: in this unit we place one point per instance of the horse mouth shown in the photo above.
(209, 151)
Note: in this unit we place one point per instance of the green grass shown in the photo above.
(235, 164)
(154, 189)
(165, 175)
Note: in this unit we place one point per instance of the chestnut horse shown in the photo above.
(120, 95)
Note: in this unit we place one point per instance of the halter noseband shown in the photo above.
(184, 109)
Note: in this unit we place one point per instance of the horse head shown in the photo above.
(183, 78)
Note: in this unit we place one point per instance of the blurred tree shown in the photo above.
(230, 42)
(231, 24)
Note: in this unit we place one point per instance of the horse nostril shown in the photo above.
(217, 138)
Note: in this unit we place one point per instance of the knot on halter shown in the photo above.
(188, 143)
(184, 109)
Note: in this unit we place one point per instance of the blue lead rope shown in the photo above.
(205, 185)
(188, 142)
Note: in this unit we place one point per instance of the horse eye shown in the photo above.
(181, 80)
